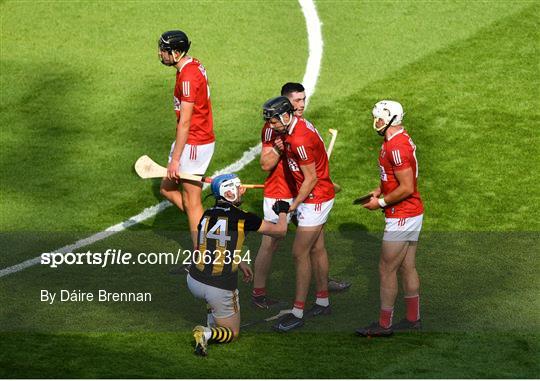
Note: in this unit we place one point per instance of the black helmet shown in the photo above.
(275, 107)
(174, 40)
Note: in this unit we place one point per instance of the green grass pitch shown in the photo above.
(83, 95)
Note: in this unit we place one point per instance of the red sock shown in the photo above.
(258, 292)
(322, 294)
(385, 317)
(413, 307)
(299, 305)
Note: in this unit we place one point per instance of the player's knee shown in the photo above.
(164, 192)
(300, 255)
(318, 251)
(385, 268)
(186, 200)
(169, 194)
(406, 269)
(191, 199)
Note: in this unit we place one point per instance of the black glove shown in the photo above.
(281, 207)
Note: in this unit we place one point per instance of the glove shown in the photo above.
(281, 207)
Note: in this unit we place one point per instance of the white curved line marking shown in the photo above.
(311, 75)
(315, 43)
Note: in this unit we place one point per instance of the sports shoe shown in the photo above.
(318, 310)
(288, 323)
(374, 330)
(264, 302)
(406, 325)
(335, 285)
(200, 340)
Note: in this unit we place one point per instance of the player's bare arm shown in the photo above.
(182, 133)
(405, 177)
(278, 230)
(269, 158)
(310, 179)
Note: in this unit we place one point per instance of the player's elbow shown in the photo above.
(408, 191)
(183, 125)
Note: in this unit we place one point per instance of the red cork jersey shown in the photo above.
(279, 183)
(304, 146)
(192, 86)
(399, 153)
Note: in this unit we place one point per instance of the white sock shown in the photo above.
(298, 312)
(322, 302)
(210, 322)
(207, 334)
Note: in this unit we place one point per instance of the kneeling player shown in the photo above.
(213, 274)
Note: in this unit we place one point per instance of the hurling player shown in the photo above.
(304, 150)
(279, 185)
(193, 147)
(213, 274)
(399, 198)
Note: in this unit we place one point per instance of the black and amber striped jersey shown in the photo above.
(221, 234)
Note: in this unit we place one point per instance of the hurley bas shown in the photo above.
(102, 296)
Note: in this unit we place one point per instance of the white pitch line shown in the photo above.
(315, 43)
(311, 75)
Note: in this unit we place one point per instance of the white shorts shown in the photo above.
(269, 214)
(224, 303)
(403, 229)
(314, 214)
(195, 159)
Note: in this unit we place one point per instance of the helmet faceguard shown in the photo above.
(391, 112)
(173, 40)
(227, 183)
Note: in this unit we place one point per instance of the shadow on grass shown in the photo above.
(322, 355)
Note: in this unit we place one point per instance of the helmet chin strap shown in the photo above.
(179, 58)
(286, 124)
(382, 131)
(175, 61)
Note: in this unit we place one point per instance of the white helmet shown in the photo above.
(389, 111)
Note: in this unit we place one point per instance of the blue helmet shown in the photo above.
(223, 183)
